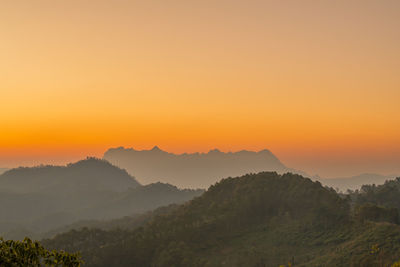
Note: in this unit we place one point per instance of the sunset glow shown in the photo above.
(318, 85)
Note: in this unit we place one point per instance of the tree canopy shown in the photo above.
(31, 253)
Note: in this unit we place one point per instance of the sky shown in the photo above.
(315, 82)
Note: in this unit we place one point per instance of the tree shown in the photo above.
(32, 253)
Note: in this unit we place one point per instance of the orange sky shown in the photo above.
(316, 82)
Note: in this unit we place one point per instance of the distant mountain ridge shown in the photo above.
(39, 199)
(3, 170)
(192, 170)
(82, 175)
(355, 182)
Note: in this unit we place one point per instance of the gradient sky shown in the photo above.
(316, 82)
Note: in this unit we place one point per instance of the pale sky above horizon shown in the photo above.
(315, 82)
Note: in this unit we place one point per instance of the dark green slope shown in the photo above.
(86, 175)
(387, 194)
(261, 219)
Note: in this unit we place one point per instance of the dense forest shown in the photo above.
(387, 195)
(263, 219)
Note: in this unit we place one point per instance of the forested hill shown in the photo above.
(386, 195)
(195, 170)
(263, 219)
(90, 174)
(39, 199)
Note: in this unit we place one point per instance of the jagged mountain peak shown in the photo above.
(193, 170)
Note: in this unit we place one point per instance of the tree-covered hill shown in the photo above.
(387, 194)
(263, 219)
(37, 200)
(90, 174)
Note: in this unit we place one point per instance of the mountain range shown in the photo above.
(200, 170)
(257, 219)
(195, 170)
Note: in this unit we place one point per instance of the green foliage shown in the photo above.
(262, 219)
(240, 221)
(387, 195)
(376, 213)
(369, 244)
(32, 253)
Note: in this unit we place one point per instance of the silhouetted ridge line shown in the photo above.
(193, 170)
(356, 182)
(38, 199)
(88, 173)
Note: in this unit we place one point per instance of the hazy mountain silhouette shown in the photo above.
(355, 182)
(41, 198)
(124, 223)
(3, 170)
(192, 170)
(87, 175)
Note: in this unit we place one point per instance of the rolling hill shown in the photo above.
(263, 219)
(39, 199)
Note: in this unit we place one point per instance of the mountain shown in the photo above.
(197, 170)
(39, 199)
(263, 219)
(355, 182)
(3, 170)
(86, 175)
